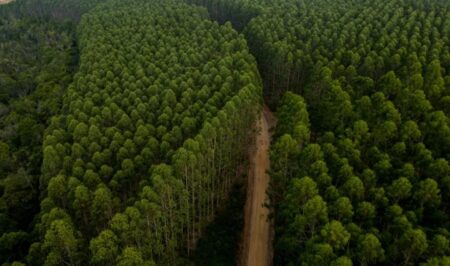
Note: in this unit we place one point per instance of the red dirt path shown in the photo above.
(257, 242)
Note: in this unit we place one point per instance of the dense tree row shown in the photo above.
(344, 200)
(292, 48)
(369, 184)
(364, 177)
(37, 59)
(152, 133)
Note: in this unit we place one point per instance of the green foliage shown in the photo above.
(144, 145)
(104, 248)
(371, 133)
(370, 250)
(147, 146)
(376, 137)
(335, 235)
(38, 56)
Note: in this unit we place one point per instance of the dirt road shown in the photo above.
(257, 244)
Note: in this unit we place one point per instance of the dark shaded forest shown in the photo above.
(38, 57)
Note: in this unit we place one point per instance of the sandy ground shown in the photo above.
(257, 242)
(5, 1)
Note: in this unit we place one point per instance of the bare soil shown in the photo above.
(257, 238)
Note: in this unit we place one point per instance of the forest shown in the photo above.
(126, 126)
